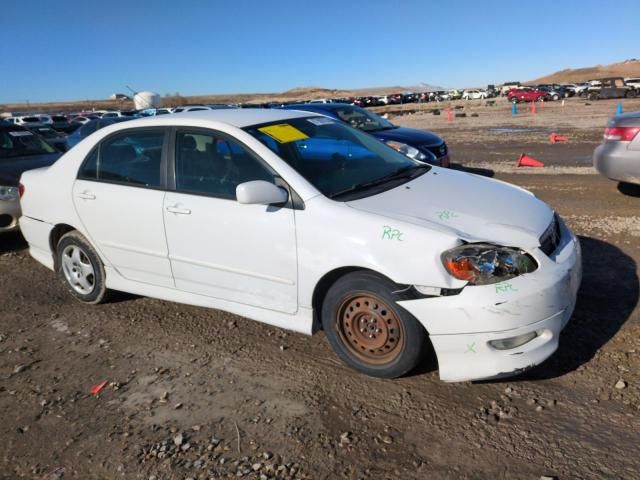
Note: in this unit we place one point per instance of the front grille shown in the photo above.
(550, 239)
(438, 150)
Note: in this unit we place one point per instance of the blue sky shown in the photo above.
(77, 49)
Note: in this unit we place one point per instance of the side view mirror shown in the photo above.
(260, 192)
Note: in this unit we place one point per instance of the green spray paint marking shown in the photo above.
(505, 287)
(390, 233)
(446, 215)
(471, 348)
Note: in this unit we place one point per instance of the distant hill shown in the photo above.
(314, 92)
(628, 68)
(419, 88)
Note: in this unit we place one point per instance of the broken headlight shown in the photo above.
(484, 264)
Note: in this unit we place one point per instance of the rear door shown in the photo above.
(118, 195)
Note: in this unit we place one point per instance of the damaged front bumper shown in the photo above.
(465, 329)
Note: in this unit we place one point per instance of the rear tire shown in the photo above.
(632, 94)
(368, 330)
(80, 269)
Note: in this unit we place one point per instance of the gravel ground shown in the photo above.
(196, 393)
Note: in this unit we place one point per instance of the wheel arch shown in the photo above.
(56, 234)
(328, 279)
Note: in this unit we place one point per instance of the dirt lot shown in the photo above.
(195, 393)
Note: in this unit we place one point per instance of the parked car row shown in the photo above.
(56, 122)
(612, 87)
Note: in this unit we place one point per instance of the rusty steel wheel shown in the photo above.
(370, 329)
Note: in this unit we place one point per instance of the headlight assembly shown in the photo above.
(410, 151)
(484, 264)
(8, 193)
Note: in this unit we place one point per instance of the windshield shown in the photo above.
(21, 143)
(362, 119)
(341, 162)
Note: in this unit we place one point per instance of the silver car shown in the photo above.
(618, 157)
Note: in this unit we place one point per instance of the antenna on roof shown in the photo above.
(131, 89)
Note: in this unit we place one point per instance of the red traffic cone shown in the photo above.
(527, 161)
(555, 138)
(533, 107)
(449, 115)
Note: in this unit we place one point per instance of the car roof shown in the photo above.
(237, 117)
(326, 107)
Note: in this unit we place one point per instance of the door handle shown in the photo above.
(86, 196)
(179, 210)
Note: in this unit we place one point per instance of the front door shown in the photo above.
(217, 246)
(119, 196)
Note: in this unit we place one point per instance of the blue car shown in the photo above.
(92, 126)
(417, 144)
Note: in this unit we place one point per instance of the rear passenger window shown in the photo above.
(131, 158)
(214, 165)
(90, 168)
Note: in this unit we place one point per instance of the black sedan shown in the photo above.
(20, 150)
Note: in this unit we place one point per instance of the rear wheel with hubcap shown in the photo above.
(367, 328)
(80, 269)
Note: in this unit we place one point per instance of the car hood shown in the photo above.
(474, 208)
(411, 136)
(12, 168)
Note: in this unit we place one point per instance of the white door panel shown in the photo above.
(126, 224)
(227, 250)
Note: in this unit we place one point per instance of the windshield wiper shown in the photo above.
(404, 172)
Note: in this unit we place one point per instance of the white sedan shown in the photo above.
(298, 221)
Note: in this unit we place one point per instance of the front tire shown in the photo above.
(368, 330)
(80, 269)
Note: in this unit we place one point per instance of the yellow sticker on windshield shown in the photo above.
(284, 133)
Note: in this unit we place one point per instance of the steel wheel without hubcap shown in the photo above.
(369, 329)
(78, 270)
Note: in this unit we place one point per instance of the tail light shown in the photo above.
(621, 134)
(21, 190)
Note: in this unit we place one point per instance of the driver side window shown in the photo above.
(210, 164)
